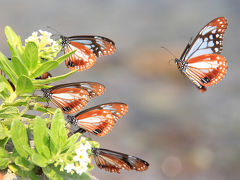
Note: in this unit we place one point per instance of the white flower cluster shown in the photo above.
(47, 46)
(82, 158)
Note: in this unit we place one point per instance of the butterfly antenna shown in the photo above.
(56, 31)
(169, 52)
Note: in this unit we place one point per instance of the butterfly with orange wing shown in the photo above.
(88, 48)
(72, 97)
(201, 61)
(113, 161)
(99, 120)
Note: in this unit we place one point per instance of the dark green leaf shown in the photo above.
(19, 138)
(31, 55)
(41, 137)
(28, 116)
(9, 112)
(23, 163)
(4, 158)
(39, 160)
(24, 85)
(19, 67)
(51, 79)
(4, 142)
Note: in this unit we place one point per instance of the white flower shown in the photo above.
(45, 33)
(81, 157)
(69, 167)
(81, 169)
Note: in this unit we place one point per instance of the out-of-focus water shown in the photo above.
(181, 132)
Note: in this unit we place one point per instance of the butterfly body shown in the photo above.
(88, 48)
(99, 120)
(72, 97)
(113, 161)
(201, 61)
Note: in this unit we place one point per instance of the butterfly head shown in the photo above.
(71, 119)
(180, 64)
(46, 93)
(65, 41)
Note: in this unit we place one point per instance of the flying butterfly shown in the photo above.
(72, 97)
(99, 120)
(201, 61)
(113, 161)
(88, 48)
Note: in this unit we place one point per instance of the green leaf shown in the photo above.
(54, 173)
(3, 131)
(24, 85)
(39, 160)
(7, 85)
(6, 67)
(23, 163)
(9, 112)
(19, 138)
(45, 67)
(71, 141)
(19, 67)
(3, 142)
(41, 137)
(52, 79)
(4, 158)
(31, 55)
(18, 102)
(13, 39)
(58, 132)
(64, 57)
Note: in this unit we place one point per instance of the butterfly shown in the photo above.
(72, 97)
(99, 120)
(87, 49)
(113, 161)
(201, 61)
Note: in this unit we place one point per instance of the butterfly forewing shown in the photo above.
(99, 45)
(113, 161)
(99, 120)
(209, 40)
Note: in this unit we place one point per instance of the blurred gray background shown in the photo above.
(182, 133)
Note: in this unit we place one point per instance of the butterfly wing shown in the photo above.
(93, 88)
(70, 100)
(87, 49)
(100, 120)
(99, 45)
(208, 41)
(206, 70)
(82, 59)
(113, 161)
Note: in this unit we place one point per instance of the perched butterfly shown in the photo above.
(44, 76)
(114, 161)
(99, 120)
(87, 49)
(201, 60)
(72, 97)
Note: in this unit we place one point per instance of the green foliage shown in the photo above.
(35, 145)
